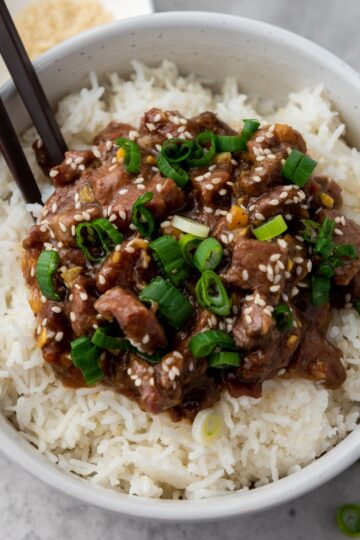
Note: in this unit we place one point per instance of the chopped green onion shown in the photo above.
(291, 163)
(224, 359)
(104, 340)
(272, 228)
(283, 317)
(357, 306)
(348, 519)
(298, 168)
(85, 356)
(237, 143)
(168, 256)
(211, 294)
(176, 150)
(101, 237)
(203, 344)
(207, 427)
(200, 158)
(46, 267)
(173, 306)
(190, 226)
(173, 171)
(320, 288)
(310, 231)
(327, 267)
(324, 245)
(208, 255)
(132, 158)
(142, 217)
(346, 250)
(188, 244)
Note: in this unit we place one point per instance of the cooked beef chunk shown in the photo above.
(317, 186)
(208, 121)
(346, 232)
(113, 131)
(267, 149)
(259, 266)
(82, 313)
(255, 321)
(285, 200)
(138, 323)
(71, 168)
(213, 188)
(131, 267)
(319, 360)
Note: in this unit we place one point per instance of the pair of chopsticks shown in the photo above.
(28, 85)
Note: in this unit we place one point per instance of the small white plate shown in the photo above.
(120, 10)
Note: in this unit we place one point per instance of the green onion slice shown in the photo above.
(203, 344)
(85, 356)
(346, 250)
(104, 340)
(142, 217)
(298, 168)
(188, 244)
(208, 255)
(132, 158)
(324, 245)
(348, 519)
(283, 317)
(168, 256)
(224, 359)
(190, 226)
(172, 170)
(200, 157)
(211, 293)
(173, 306)
(176, 150)
(272, 228)
(237, 143)
(310, 231)
(46, 267)
(357, 306)
(100, 237)
(320, 288)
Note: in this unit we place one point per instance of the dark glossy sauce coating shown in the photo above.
(258, 275)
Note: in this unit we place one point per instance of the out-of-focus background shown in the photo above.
(30, 510)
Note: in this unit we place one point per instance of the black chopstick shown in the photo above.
(15, 158)
(29, 87)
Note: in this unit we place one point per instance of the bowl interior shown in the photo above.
(268, 62)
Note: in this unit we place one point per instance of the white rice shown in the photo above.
(102, 436)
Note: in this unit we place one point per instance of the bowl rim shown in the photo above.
(237, 503)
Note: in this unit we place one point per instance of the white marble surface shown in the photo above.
(29, 510)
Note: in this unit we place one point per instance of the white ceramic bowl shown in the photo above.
(268, 61)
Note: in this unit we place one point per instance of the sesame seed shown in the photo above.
(274, 202)
(59, 336)
(274, 288)
(83, 296)
(86, 216)
(53, 173)
(224, 238)
(259, 216)
(129, 249)
(140, 186)
(102, 279)
(260, 139)
(123, 191)
(282, 243)
(256, 178)
(262, 267)
(145, 339)
(338, 232)
(275, 257)
(139, 180)
(216, 180)
(122, 214)
(245, 275)
(159, 188)
(112, 217)
(78, 217)
(62, 227)
(165, 224)
(56, 309)
(283, 195)
(72, 316)
(222, 192)
(209, 187)
(138, 382)
(298, 260)
(208, 210)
